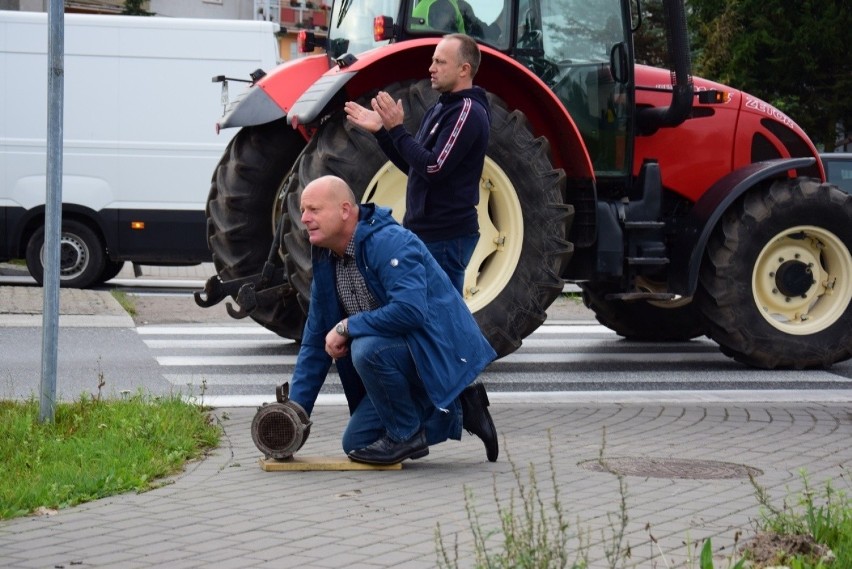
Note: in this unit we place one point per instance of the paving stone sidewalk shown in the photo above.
(686, 479)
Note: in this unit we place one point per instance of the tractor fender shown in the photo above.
(705, 214)
(517, 86)
(273, 95)
(360, 74)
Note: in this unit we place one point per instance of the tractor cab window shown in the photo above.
(350, 27)
(567, 43)
(485, 20)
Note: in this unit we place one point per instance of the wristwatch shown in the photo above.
(341, 328)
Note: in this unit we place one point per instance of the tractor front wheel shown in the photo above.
(776, 282)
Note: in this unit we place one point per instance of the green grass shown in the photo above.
(95, 448)
(575, 297)
(125, 301)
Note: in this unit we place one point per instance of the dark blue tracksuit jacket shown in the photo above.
(444, 164)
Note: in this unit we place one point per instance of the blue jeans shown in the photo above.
(396, 401)
(453, 255)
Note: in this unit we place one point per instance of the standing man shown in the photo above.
(406, 346)
(444, 159)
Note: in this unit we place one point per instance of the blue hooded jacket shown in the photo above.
(417, 301)
(444, 163)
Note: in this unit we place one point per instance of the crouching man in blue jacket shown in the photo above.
(406, 346)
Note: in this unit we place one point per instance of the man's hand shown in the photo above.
(336, 346)
(363, 117)
(389, 111)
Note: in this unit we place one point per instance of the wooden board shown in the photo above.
(302, 463)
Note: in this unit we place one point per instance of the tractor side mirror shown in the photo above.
(618, 63)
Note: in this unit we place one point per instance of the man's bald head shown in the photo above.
(333, 189)
(329, 212)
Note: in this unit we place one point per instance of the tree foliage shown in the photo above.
(794, 55)
(136, 8)
(649, 41)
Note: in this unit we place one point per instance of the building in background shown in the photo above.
(292, 15)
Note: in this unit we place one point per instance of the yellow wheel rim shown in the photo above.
(501, 228)
(802, 280)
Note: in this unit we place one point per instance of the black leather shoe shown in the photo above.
(387, 451)
(477, 420)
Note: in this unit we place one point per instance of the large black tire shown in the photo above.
(776, 281)
(81, 255)
(240, 214)
(111, 269)
(514, 274)
(643, 320)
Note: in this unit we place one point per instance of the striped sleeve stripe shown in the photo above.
(448, 147)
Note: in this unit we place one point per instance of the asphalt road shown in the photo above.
(180, 308)
(177, 344)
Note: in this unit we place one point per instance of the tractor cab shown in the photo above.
(580, 50)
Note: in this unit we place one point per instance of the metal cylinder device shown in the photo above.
(280, 429)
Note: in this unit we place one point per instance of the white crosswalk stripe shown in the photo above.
(246, 362)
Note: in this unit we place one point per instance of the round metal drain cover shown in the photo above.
(670, 468)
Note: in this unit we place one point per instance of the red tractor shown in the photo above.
(681, 207)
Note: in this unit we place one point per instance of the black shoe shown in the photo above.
(477, 420)
(387, 451)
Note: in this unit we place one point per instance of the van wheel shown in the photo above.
(111, 269)
(81, 256)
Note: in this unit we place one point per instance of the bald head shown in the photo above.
(329, 213)
(332, 188)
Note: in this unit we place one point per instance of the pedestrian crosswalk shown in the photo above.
(246, 362)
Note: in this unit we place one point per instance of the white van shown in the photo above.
(140, 143)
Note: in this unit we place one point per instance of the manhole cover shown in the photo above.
(670, 468)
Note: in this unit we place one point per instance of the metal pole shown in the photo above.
(53, 208)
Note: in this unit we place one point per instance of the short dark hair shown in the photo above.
(468, 51)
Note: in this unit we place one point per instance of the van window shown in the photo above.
(839, 173)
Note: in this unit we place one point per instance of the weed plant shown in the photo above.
(814, 533)
(535, 534)
(95, 448)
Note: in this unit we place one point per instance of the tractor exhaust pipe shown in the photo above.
(650, 120)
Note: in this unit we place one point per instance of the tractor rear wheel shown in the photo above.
(240, 218)
(514, 274)
(643, 320)
(776, 281)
